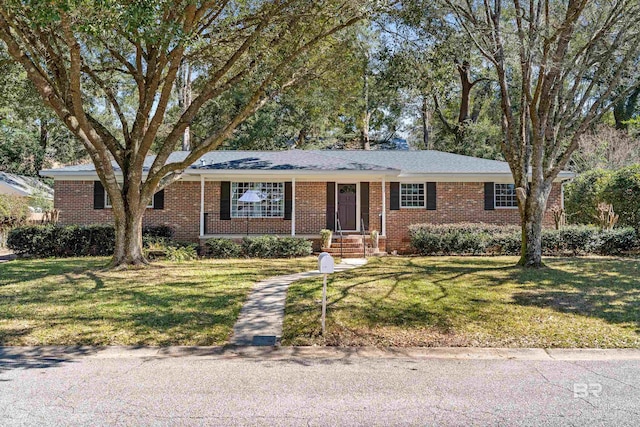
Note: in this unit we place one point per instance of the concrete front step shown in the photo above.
(346, 245)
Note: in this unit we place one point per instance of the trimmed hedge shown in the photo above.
(475, 239)
(259, 247)
(275, 247)
(223, 248)
(44, 241)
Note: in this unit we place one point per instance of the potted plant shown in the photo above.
(325, 237)
(375, 239)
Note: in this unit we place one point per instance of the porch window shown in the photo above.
(412, 195)
(270, 206)
(505, 196)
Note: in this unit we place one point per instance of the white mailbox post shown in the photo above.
(325, 266)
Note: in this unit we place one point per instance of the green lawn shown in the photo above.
(71, 301)
(472, 301)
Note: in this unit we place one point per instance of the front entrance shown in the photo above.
(347, 206)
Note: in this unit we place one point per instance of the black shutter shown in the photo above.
(98, 195)
(431, 196)
(364, 203)
(395, 196)
(489, 202)
(331, 206)
(158, 200)
(288, 201)
(225, 200)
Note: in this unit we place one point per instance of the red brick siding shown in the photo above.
(181, 210)
(456, 202)
(310, 213)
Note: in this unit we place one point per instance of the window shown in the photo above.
(271, 204)
(107, 201)
(412, 195)
(505, 195)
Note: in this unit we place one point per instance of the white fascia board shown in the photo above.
(505, 178)
(231, 175)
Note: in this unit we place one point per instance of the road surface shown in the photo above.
(87, 387)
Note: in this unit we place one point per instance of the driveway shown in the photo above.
(297, 387)
(6, 255)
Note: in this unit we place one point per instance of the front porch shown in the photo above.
(297, 207)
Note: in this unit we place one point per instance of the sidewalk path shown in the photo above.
(260, 320)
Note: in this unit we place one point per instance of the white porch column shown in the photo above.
(201, 205)
(384, 208)
(293, 206)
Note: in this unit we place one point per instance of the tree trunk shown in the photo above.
(364, 132)
(185, 101)
(128, 249)
(466, 85)
(425, 112)
(532, 216)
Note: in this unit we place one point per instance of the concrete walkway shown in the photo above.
(260, 320)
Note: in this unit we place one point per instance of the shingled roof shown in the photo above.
(379, 162)
(25, 186)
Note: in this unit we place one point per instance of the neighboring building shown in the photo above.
(24, 186)
(305, 191)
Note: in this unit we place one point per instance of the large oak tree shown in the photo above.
(560, 65)
(130, 53)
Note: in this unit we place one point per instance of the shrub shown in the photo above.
(291, 247)
(14, 212)
(616, 241)
(583, 194)
(275, 247)
(325, 237)
(573, 240)
(72, 240)
(163, 231)
(223, 248)
(259, 247)
(623, 192)
(181, 253)
(55, 241)
(465, 239)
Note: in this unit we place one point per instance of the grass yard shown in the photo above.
(472, 301)
(70, 301)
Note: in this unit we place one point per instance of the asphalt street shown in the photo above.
(85, 387)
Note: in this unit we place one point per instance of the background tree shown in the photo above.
(133, 50)
(31, 137)
(560, 67)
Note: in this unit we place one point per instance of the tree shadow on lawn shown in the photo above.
(608, 289)
(418, 294)
(24, 270)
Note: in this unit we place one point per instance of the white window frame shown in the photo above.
(424, 195)
(252, 186)
(108, 205)
(495, 196)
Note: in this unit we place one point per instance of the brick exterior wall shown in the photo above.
(181, 210)
(456, 202)
(310, 213)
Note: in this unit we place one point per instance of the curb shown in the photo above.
(323, 353)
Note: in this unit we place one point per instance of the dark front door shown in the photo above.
(347, 206)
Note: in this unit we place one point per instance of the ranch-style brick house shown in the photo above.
(301, 192)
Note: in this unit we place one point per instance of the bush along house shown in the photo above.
(300, 192)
